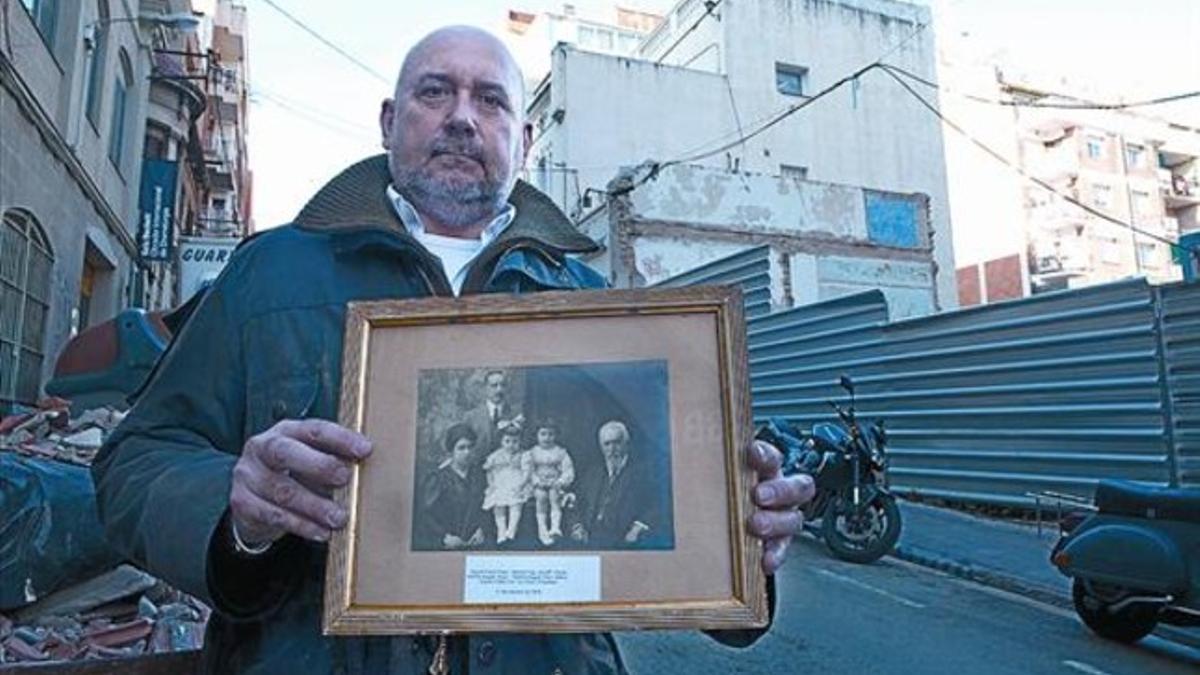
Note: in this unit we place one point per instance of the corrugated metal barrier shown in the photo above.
(987, 404)
(1180, 325)
(749, 269)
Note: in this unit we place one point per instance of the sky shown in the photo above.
(313, 112)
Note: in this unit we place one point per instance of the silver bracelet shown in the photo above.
(242, 547)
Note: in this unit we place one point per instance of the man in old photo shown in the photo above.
(618, 500)
(496, 408)
(219, 479)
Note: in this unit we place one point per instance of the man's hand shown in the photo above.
(578, 533)
(778, 519)
(452, 541)
(282, 481)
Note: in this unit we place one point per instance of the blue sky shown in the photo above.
(313, 112)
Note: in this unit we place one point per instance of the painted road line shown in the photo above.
(868, 587)
(1082, 667)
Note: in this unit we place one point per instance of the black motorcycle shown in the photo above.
(859, 519)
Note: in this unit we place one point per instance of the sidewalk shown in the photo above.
(1001, 554)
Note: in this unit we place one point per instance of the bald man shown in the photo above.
(219, 480)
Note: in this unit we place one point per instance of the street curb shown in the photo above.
(987, 577)
(1013, 584)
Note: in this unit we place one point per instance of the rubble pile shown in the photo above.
(50, 432)
(158, 620)
(122, 612)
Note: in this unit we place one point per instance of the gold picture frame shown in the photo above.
(660, 373)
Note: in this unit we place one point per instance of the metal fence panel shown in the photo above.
(750, 269)
(1181, 347)
(987, 404)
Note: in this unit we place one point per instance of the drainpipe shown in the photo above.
(1137, 262)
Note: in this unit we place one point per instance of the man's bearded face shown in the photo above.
(454, 132)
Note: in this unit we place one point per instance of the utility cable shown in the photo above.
(356, 133)
(654, 167)
(329, 43)
(1075, 104)
(1031, 178)
(709, 7)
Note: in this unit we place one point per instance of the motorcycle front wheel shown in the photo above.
(865, 537)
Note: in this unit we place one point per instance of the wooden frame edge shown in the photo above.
(749, 606)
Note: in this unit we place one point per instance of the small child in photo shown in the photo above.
(507, 481)
(551, 472)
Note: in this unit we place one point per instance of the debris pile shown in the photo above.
(100, 618)
(46, 613)
(51, 433)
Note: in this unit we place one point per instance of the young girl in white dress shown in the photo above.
(551, 473)
(507, 482)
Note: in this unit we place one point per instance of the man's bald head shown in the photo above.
(455, 131)
(456, 35)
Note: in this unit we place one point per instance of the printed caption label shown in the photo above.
(531, 579)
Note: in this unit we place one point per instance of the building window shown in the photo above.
(1141, 204)
(1101, 196)
(1134, 155)
(793, 172)
(157, 142)
(791, 80)
(45, 17)
(26, 262)
(629, 42)
(1110, 251)
(600, 39)
(1095, 147)
(98, 52)
(116, 130)
(1147, 254)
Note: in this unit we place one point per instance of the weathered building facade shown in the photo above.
(825, 240)
(714, 72)
(103, 112)
(73, 85)
(1018, 238)
(616, 30)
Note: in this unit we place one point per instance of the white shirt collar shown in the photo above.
(416, 227)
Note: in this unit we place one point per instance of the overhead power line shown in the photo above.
(329, 43)
(653, 168)
(1027, 176)
(709, 7)
(1073, 103)
(316, 117)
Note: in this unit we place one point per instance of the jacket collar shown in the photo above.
(357, 198)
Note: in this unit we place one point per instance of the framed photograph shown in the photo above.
(553, 462)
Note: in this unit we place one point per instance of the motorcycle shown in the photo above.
(1130, 559)
(858, 518)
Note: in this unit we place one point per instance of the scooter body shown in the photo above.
(1135, 562)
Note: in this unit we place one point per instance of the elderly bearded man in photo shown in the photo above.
(219, 479)
(617, 500)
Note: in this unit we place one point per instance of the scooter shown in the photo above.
(1135, 561)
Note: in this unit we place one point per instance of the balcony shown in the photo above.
(228, 44)
(1060, 258)
(219, 222)
(1178, 190)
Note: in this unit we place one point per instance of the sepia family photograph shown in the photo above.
(556, 457)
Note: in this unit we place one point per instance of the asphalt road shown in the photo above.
(893, 617)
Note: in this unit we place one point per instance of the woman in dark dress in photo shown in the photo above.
(450, 516)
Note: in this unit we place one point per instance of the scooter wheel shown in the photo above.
(1127, 625)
